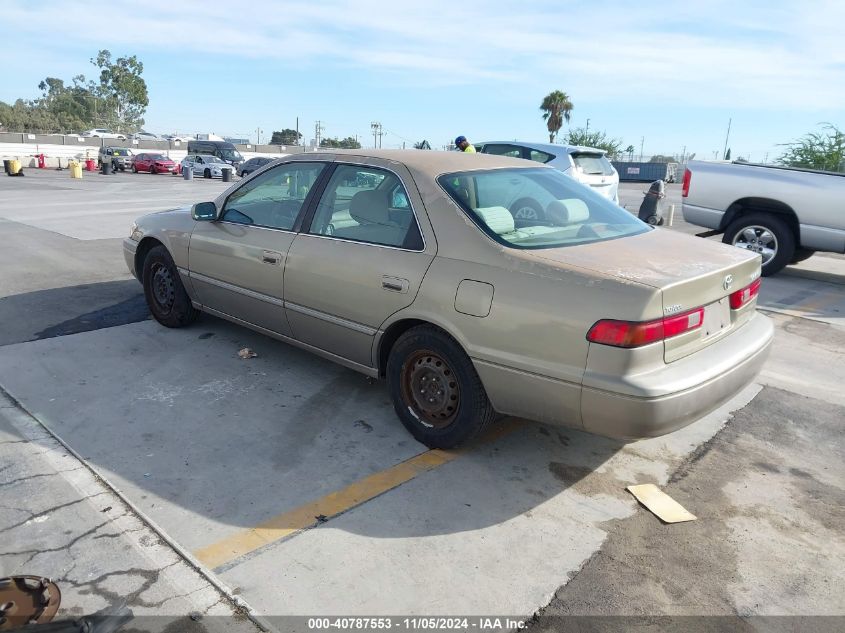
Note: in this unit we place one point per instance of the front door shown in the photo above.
(237, 262)
(362, 258)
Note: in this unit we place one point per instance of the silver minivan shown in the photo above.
(587, 165)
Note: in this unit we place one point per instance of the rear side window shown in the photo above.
(540, 157)
(592, 164)
(367, 204)
(501, 149)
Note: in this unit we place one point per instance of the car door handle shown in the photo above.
(271, 257)
(394, 284)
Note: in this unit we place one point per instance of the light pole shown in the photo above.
(258, 131)
(587, 131)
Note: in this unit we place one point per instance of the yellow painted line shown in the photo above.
(334, 503)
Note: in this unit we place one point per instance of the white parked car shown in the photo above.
(587, 165)
(102, 133)
(144, 136)
(205, 165)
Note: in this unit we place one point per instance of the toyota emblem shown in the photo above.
(729, 279)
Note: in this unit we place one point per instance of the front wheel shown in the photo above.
(166, 297)
(206, 173)
(765, 234)
(153, 170)
(436, 391)
(134, 169)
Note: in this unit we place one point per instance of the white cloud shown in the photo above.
(780, 56)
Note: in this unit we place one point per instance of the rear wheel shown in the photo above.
(436, 391)
(765, 234)
(166, 296)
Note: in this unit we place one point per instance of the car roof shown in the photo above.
(429, 162)
(550, 148)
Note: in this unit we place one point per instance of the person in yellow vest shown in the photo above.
(464, 145)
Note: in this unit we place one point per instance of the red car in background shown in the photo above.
(153, 163)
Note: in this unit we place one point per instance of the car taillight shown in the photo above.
(687, 180)
(743, 296)
(638, 333)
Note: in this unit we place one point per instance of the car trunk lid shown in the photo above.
(690, 273)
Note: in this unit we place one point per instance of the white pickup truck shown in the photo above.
(785, 214)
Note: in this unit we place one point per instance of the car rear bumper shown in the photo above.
(708, 378)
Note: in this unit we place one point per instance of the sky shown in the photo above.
(666, 77)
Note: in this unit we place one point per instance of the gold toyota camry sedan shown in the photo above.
(414, 266)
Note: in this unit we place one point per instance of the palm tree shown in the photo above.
(556, 107)
(630, 151)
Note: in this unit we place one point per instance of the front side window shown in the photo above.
(367, 204)
(537, 208)
(273, 199)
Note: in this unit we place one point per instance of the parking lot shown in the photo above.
(284, 485)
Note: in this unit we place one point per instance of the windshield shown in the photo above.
(120, 152)
(537, 208)
(593, 164)
(211, 159)
(158, 157)
(230, 154)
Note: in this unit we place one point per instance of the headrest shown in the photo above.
(498, 219)
(568, 211)
(369, 207)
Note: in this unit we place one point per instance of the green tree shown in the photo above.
(347, 143)
(122, 90)
(817, 150)
(285, 137)
(661, 158)
(556, 107)
(594, 138)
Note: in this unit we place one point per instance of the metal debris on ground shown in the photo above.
(660, 504)
(247, 353)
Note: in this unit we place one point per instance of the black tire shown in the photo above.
(426, 357)
(526, 209)
(206, 173)
(800, 255)
(164, 292)
(244, 174)
(153, 171)
(750, 231)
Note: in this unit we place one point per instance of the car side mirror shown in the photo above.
(204, 211)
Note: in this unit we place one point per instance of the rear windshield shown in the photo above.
(593, 164)
(538, 208)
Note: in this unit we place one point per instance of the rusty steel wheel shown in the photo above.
(435, 389)
(430, 388)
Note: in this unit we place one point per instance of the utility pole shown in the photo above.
(727, 136)
(587, 131)
(258, 135)
(642, 143)
(318, 128)
(377, 134)
(296, 141)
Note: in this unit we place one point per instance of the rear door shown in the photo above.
(361, 258)
(237, 262)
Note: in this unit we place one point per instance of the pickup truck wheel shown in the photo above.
(801, 254)
(436, 391)
(765, 234)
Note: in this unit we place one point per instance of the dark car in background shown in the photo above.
(153, 163)
(253, 164)
(120, 157)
